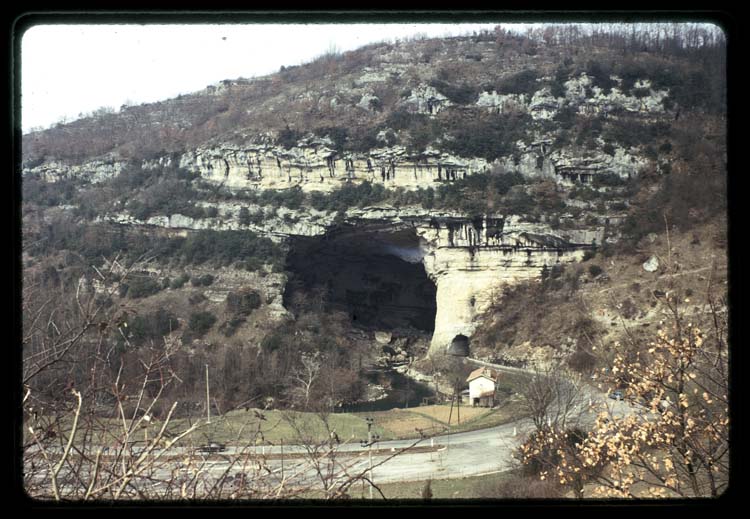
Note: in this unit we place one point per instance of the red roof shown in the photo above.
(483, 372)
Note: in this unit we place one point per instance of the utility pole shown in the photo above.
(371, 438)
(208, 399)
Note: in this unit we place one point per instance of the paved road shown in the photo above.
(448, 456)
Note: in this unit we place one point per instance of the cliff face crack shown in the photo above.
(375, 274)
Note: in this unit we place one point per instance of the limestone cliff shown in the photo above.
(469, 260)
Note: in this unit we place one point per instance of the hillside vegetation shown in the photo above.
(146, 272)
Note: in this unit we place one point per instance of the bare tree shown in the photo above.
(304, 377)
(552, 396)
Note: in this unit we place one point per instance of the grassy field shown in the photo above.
(241, 427)
(256, 427)
(274, 426)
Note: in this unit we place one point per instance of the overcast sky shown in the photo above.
(72, 69)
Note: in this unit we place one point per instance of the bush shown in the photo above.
(608, 179)
(202, 281)
(251, 265)
(201, 322)
(600, 75)
(151, 326)
(288, 138)
(180, 281)
(196, 297)
(226, 247)
(338, 134)
(488, 137)
(349, 195)
(523, 82)
(142, 286)
(229, 328)
(582, 362)
(462, 94)
(243, 302)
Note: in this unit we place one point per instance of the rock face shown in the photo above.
(583, 96)
(314, 166)
(468, 260)
(427, 100)
(471, 261)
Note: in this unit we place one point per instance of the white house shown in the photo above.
(482, 387)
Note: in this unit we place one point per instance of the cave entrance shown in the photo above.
(373, 273)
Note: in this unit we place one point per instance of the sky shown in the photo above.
(68, 70)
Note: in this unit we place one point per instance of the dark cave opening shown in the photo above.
(373, 273)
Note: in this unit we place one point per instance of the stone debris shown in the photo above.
(652, 264)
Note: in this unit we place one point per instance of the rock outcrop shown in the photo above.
(469, 260)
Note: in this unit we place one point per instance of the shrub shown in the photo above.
(225, 247)
(565, 118)
(488, 137)
(349, 195)
(251, 265)
(202, 281)
(600, 75)
(244, 216)
(582, 361)
(142, 286)
(557, 86)
(338, 134)
(608, 179)
(180, 281)
(229, 327)
(462, 94)
(288, 138)
(196, 297)
(243, 302)
(523, 82)
(201, 322)
(152, 326)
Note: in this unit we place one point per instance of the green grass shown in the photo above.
(505, 413)
(242, 427)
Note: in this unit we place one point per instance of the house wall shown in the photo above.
(478, 386)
